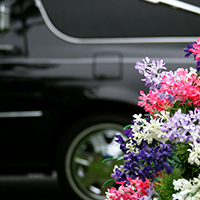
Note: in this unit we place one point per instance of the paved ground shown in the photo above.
(34, 187)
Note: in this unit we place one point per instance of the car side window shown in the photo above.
(117, 18)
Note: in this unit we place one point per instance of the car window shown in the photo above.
(121, 18)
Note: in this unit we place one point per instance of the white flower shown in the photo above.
(194, 156)
(152, 130)
(163, 115)
(131, 147)
(138, 137)
(136, 127)
(138, 117)
(181, 195)
(195, 135)
(149, 130)
(181, 184)
(189, 190)
(192, 71)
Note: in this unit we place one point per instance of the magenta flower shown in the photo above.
(196, 49)
(136, 190)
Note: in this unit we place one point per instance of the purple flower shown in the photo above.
(128, 130)
(149, 161)
(118, 175)
(198, 140)
(188, 53)
(122, 143)
(198, 66)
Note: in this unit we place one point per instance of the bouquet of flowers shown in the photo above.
(162, 149)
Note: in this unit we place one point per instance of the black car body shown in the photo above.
(68, 66)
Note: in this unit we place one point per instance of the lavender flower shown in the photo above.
(151, 72)
(181, 126)
(151, 192)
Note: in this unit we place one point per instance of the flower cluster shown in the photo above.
(162, 151)
(181, 86)
(135, 190)
(144, 164)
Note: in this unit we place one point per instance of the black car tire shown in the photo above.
(78, 157)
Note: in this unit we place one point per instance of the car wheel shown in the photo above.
(82, 150)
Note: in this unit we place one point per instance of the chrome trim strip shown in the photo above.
(71, 61)
(21, 114)
(166, 60)
(131, 40)
(178, 4)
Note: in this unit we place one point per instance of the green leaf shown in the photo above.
(170, 161)
(161, 197)
(114, 158)
(107, 159)
(178, 172)
(176, 158)
(128, 126)
(120, 158)
(108, 181)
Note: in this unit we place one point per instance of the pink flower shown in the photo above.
(182, 72)
(144, 99)
(152, 101)
(196, 49)
(135, 190)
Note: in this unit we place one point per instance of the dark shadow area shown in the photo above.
(30, 187)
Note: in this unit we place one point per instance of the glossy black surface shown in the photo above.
(116, 18)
